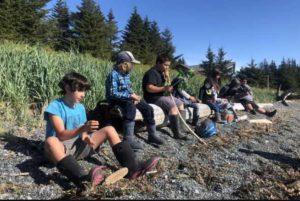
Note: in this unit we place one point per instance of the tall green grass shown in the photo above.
(29, 78)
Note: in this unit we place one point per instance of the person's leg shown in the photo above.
(216, 109)
(107, 133)
(65, 163)
(129, 112)
(167, 104)
(148, 116)
(196, 114)
(262, 110)
(126, 157)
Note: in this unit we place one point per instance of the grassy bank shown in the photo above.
(29, 78)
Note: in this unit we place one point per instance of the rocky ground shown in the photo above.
(244, 161)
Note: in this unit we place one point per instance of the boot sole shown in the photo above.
(116, 176)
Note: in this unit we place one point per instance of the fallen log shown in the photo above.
(161, 118)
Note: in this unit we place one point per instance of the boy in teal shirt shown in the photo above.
(70, 137)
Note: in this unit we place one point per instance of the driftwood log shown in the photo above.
(161, 118)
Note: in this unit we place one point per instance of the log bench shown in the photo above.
(161, 118)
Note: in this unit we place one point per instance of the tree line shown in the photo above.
(86, 30)
(263, 74)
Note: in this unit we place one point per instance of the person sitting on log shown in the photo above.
(157, 88)
(185, 97)
(208, 94)
(119, 92)
(244, 95)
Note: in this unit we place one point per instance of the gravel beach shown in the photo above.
(243, 161)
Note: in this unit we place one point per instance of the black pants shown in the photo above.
(129, 110)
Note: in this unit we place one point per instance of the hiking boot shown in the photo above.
(96, 175)
(253, 112)
(271, 114)
(152, 135)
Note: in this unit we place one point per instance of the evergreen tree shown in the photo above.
(7, 20)
(24, 19)
(288, 72)
(224, 65)
(112, 34)
(209, 65)
(90, 30)
(62, 34)
(133, 34)
(167, 44)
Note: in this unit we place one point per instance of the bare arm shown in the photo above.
(64, 134)
(155, 89)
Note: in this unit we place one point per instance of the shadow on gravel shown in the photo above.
(295, 163)
(34, 149)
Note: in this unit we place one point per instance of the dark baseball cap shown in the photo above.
(126, 56)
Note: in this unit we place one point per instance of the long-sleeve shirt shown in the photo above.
(118, 86)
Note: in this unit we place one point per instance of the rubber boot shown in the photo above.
(128, 131)
(182, 124)
(126, 158)
(175, 127)
(69, 167)
(152, 135)
(271, 114)
(218, 118)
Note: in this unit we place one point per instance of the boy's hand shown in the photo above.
(135, 98)
(193, 99)
(87, 139)
(168, 88)
(91, 126)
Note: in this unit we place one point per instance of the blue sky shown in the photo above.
(258, 29)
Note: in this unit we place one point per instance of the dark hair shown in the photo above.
(162, 58)
(214, 81)
(216, 72)
(76, 81)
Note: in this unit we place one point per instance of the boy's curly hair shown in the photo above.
(75, 81)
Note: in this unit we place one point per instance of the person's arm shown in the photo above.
(63, 134)
(184, 94)
(117, 91)
(151, 88)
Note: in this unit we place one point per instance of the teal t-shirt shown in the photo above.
(73, 117)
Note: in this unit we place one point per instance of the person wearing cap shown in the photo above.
(244, 95)
(155, 85)
(119, 92)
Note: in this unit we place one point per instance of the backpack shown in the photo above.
(206, 128)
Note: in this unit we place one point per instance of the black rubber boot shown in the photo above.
(152, 136)
(175, 127)
(218, 118)
(128, 131)
(271, 114)
(126, 158)
(182, 125)
(69, 167)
